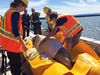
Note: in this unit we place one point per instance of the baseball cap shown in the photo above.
(53, 15)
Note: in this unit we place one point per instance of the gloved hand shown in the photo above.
(32, 53)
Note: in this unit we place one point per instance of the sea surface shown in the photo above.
(91, 26)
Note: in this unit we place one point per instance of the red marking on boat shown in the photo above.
(68, 73)
(99, 45)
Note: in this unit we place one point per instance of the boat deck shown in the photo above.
(25, 67)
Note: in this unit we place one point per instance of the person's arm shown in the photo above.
(14, 22)
(38, 13)
(22, 17)
(48, 36)
(47, 19)
(31, 18)
(50, 24)
(15, 29)
(62, 42)
(22, 43)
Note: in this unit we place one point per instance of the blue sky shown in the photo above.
(73, 7)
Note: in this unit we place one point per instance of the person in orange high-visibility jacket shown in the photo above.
(69, 26)
(48, 12)
(11, 33)
(0, 26)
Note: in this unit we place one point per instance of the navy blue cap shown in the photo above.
(53, 15)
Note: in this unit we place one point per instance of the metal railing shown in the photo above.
(81, 15)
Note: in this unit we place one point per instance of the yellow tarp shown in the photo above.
(56, 69)
(82, 65)
(82, 47)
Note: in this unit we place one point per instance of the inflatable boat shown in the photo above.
(85, 58)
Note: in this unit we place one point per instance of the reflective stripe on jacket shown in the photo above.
(48, 19)
(71, 27)
(8, 40)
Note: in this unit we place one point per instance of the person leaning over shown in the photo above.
(48, 12)
(35, 21)
(11, 32)
(69, 26)
(25, 23)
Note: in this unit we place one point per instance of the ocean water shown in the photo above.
(91, 26)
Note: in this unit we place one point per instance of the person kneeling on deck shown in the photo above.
(52, 48)
(69, 26)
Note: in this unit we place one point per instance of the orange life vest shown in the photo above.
(7, 39)
(71, 27)
(0, 28)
